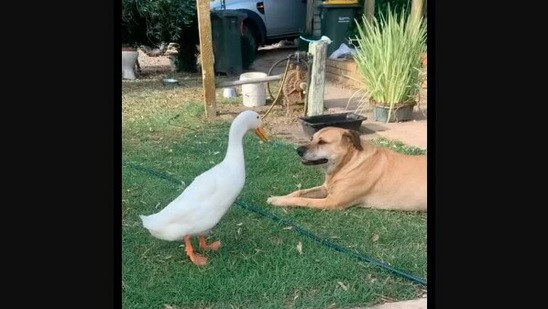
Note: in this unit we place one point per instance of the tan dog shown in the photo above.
(359, 173)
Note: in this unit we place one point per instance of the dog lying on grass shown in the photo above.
(359, 173)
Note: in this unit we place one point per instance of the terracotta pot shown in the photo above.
(129, 59)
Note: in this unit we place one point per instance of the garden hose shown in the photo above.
(279, 95)
(297, 228)
(283, 80)
(270, 72)
(308, 73)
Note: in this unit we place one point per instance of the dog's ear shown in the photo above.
(353, 137)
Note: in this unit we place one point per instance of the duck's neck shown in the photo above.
(235, 149)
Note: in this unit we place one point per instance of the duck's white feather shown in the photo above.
(199, 207)
(206, 200)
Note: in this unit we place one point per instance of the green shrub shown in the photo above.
(146, 22)
(390, 57)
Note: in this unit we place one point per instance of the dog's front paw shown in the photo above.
(275, 200)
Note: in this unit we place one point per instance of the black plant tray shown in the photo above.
(312, 124)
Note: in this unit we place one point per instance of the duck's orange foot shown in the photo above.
(212, 246)
(198, 259)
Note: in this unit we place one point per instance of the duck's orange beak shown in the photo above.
(261, 134)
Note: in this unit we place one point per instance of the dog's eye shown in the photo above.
(321, 142)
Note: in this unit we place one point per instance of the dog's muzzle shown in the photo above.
(301, 151)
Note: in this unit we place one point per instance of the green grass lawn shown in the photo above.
(259, 265)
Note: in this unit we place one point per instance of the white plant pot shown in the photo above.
(129, 59)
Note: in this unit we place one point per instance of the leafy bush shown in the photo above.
(151, 22)
(190, 38)
(146, 22)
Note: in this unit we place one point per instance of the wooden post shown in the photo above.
(309, 16)
(206, 54)
(417, 8)
(317, 78)
(369, 9)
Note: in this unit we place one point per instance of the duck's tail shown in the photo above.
(158, 228)
(148, 221)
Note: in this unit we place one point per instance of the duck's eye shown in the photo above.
(257, 117)
(321, 142)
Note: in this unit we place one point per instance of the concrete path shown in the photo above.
(408, 304)
(413, 132)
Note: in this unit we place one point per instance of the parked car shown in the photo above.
(268, 21)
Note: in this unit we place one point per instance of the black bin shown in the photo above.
(336, 22)
(227, 41)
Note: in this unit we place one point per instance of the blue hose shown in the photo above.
(297, 228)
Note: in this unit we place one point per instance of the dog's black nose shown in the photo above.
(301, 150)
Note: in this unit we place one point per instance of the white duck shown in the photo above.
(205, 201)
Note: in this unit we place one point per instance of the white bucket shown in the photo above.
(254, 94)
